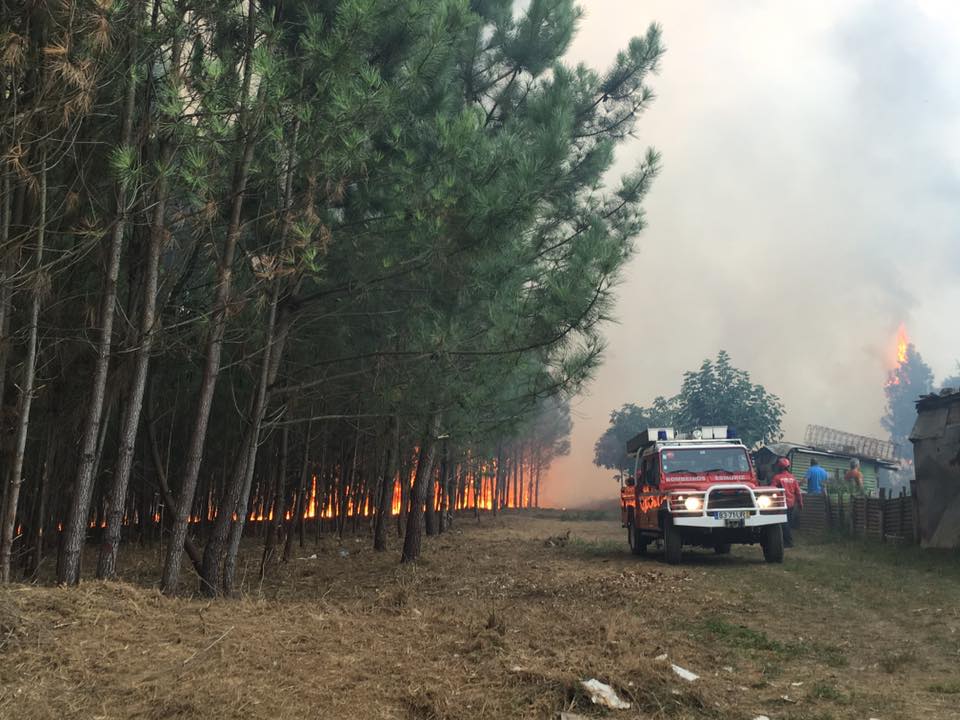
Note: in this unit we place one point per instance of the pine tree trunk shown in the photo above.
(5, 311)
(274, 520)
(211, 371)
(520, 468)
(43, 491)
(413, 538)
(444, 489)
(536, 496)
(477, 490)
(76, 527)
(498, 482)
(228, 566)
(236, 495)
(430, 507)
(5, 292)
(169, 501)
(321, 489)
(385, 501)
(238, 491)
(106, 566)
(26, 391)
(404, 495)
(516, 483)
(346, 486)
(299, 507)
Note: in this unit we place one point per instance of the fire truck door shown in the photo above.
(648, 500)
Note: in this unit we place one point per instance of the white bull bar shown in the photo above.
(708, 518)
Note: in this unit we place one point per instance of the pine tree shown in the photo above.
(952, 381)
(905, 384)
(386, 220)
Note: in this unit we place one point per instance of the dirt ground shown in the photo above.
(497, 622)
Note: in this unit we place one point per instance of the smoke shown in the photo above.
(807, 207)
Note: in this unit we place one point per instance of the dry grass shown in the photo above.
(494, 623)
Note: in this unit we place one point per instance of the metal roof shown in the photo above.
(945, 397)
(783, 449)
(850, 444)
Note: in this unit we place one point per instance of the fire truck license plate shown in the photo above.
(731, 514)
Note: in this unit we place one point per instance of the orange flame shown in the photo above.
(903, 343)
(903, 340)
(311, 509)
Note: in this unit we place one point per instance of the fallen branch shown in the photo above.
(198, 652)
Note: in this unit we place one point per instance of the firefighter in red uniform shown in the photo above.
(785, 480)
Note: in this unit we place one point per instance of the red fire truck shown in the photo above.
(698, 489)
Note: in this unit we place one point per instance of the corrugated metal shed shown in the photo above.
(836, 464)
(936, 448)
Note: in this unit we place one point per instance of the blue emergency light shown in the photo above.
(661, 434)
(731, 433)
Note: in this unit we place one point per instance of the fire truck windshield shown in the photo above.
(695, 461)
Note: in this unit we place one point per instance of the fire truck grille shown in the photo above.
(730, 500)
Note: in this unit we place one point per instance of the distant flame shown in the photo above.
(903, 341)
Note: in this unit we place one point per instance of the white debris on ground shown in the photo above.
(603, 694)
(684, 673)
(761, 717)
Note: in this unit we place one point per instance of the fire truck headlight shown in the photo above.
(764, 501)
(693, 503)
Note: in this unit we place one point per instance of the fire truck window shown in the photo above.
(701, 460)
(650, 474)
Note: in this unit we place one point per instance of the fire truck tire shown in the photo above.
(722, 548)
(672, 544)
(638, 543)
(773, 544)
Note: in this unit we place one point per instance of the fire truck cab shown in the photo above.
(698, 489)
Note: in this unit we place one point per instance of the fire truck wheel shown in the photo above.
(672, 544)
(722, 548)
(638, 543)
(773, 544)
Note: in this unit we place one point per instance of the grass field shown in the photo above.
(502, 620)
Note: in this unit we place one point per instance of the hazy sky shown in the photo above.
(809, 203)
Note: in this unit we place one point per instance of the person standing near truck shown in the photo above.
(785, 480)
(816, 478)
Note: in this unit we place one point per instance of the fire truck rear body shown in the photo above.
(698, 490)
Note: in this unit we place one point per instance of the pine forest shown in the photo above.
(278, 269)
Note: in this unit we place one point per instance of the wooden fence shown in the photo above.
(883, 519)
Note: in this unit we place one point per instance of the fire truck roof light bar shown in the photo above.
(704, 441)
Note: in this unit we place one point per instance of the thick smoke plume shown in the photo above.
(806, 208)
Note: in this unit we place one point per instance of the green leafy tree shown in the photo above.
(716, 394)
(721, 394)
(610, 450)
